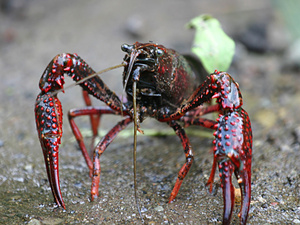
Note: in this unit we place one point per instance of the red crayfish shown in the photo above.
(159, 83)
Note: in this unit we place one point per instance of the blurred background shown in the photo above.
(266, 66)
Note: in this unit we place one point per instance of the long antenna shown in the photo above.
(134, 148)
(89, 77)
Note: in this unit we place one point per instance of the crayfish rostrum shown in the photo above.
(158, 83)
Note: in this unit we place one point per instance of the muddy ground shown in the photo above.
(32, 32)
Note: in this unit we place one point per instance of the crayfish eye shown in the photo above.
(126, 48)
(159, 52)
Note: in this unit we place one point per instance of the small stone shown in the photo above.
(19, 179)
(296, 134)
(148, 216)
(238, 195)
(291, 58)
(296, 221)
(159, 208)
(261, 199)
(52, 221)
(143, 209)
(34, 222)
(29, 168)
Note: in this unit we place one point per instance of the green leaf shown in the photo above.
(214, 48)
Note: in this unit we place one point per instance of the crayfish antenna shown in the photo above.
(135, 119)
(88, 77)
(133, 56)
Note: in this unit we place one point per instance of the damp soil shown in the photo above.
(32, 32)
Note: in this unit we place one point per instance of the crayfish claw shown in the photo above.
(244, 181)
(51, 161)
(226, 169)
(48, 115)
(232, 152)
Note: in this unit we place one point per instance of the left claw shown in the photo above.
(233, 137)
(232, 152)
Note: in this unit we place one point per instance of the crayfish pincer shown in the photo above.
(158, 83)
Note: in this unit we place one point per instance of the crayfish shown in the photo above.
(158, 83)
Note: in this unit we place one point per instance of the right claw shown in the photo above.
(48, 115)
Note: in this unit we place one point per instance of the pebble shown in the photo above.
(52, 221)
(19, 179)
(29, 168)
(34, 222)
(159, 208)
(297, 134)
(291, 59)
(255, 37)
(261, 199)
(143, 209)
(296, 221)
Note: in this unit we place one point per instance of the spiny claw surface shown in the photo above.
(232, 152)
(49, 125)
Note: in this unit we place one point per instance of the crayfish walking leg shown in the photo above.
(95, 114)
(100, 148)
(94, 118)
(188, 155)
